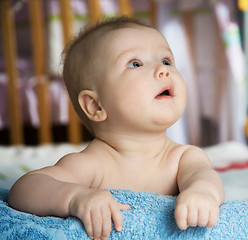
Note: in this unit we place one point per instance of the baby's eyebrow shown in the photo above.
(170, 53)
(124, 53)
(129, 50)
(166, 49)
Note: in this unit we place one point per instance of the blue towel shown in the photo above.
(151, 217)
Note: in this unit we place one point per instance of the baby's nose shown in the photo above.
(161, 73)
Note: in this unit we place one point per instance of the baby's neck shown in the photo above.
(137, 147)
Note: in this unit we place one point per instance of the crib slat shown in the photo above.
(221, 61)
(75, 127)
(38, 40)
(9, 47)
(154, 13)
(94, 11)
(66, 18)
(193, 108)
(125, 8)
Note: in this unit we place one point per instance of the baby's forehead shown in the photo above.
(138, 33)
(131, 30)
(133, 38)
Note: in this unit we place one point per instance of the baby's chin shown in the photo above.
(167, 119)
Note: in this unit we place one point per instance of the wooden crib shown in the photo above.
(39, 59)
(75, 133)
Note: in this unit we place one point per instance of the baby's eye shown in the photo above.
(134, 64)
(166, 62)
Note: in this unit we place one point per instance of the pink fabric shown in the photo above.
(29, 101)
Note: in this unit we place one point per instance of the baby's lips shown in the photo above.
(166, 91)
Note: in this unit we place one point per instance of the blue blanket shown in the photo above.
(151, 217)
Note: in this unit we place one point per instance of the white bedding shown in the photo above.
(235, 180)
(16, 161)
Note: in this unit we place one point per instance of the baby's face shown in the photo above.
(139, 85)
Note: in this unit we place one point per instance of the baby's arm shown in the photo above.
(201, 191)
(58, 191)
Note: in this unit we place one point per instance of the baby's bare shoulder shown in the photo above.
(179, 153)
(88, 156)
(176, 150)
(84, 165)
(87, 165)
(189, 154)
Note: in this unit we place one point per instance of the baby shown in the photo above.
(125, 87)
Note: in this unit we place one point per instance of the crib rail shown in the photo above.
(9, 38)
(74, 126)
(39, 59)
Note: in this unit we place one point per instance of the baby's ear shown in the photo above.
(91, 106)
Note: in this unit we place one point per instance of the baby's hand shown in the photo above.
(96, 209)
(196, 208)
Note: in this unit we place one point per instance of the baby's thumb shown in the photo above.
(124, 206)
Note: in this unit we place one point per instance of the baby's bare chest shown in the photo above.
(159, 179)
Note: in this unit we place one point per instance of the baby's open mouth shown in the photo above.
(166, 92)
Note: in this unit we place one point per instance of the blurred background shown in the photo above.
(207, 38)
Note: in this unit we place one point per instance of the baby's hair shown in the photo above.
(79, 56)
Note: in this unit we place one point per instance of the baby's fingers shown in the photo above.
(117, 216)
(86, 218)
(106, 226)
(124, 206)
(96, 223)
(213, 218)
(192, 217)
(203, 218)
(181, 215)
